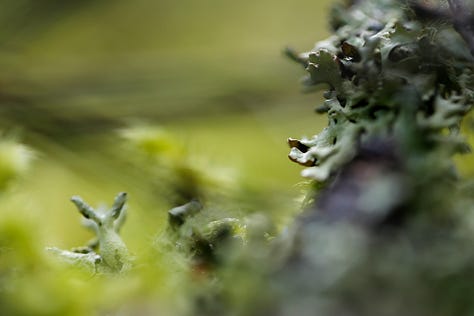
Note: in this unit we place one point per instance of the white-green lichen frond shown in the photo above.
(386, 70)
(107, 253)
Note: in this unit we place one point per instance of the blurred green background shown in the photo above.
(211, 73)
(156, 98)
(112, 96)
(83, 67)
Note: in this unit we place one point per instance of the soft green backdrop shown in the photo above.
(111, 95)
(206, 81)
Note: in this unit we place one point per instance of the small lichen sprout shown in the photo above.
(108, 253)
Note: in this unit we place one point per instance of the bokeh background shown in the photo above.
(210, 73)
(98, 97)
(163, 99)
(78, 71)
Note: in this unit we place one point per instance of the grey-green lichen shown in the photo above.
(201, 239)
(389, 230)
(107, 252)
(384, 66)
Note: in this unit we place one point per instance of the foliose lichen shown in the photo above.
(386, 68)
(199, 239)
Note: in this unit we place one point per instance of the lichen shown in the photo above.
(107, 253)
(384, 65)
